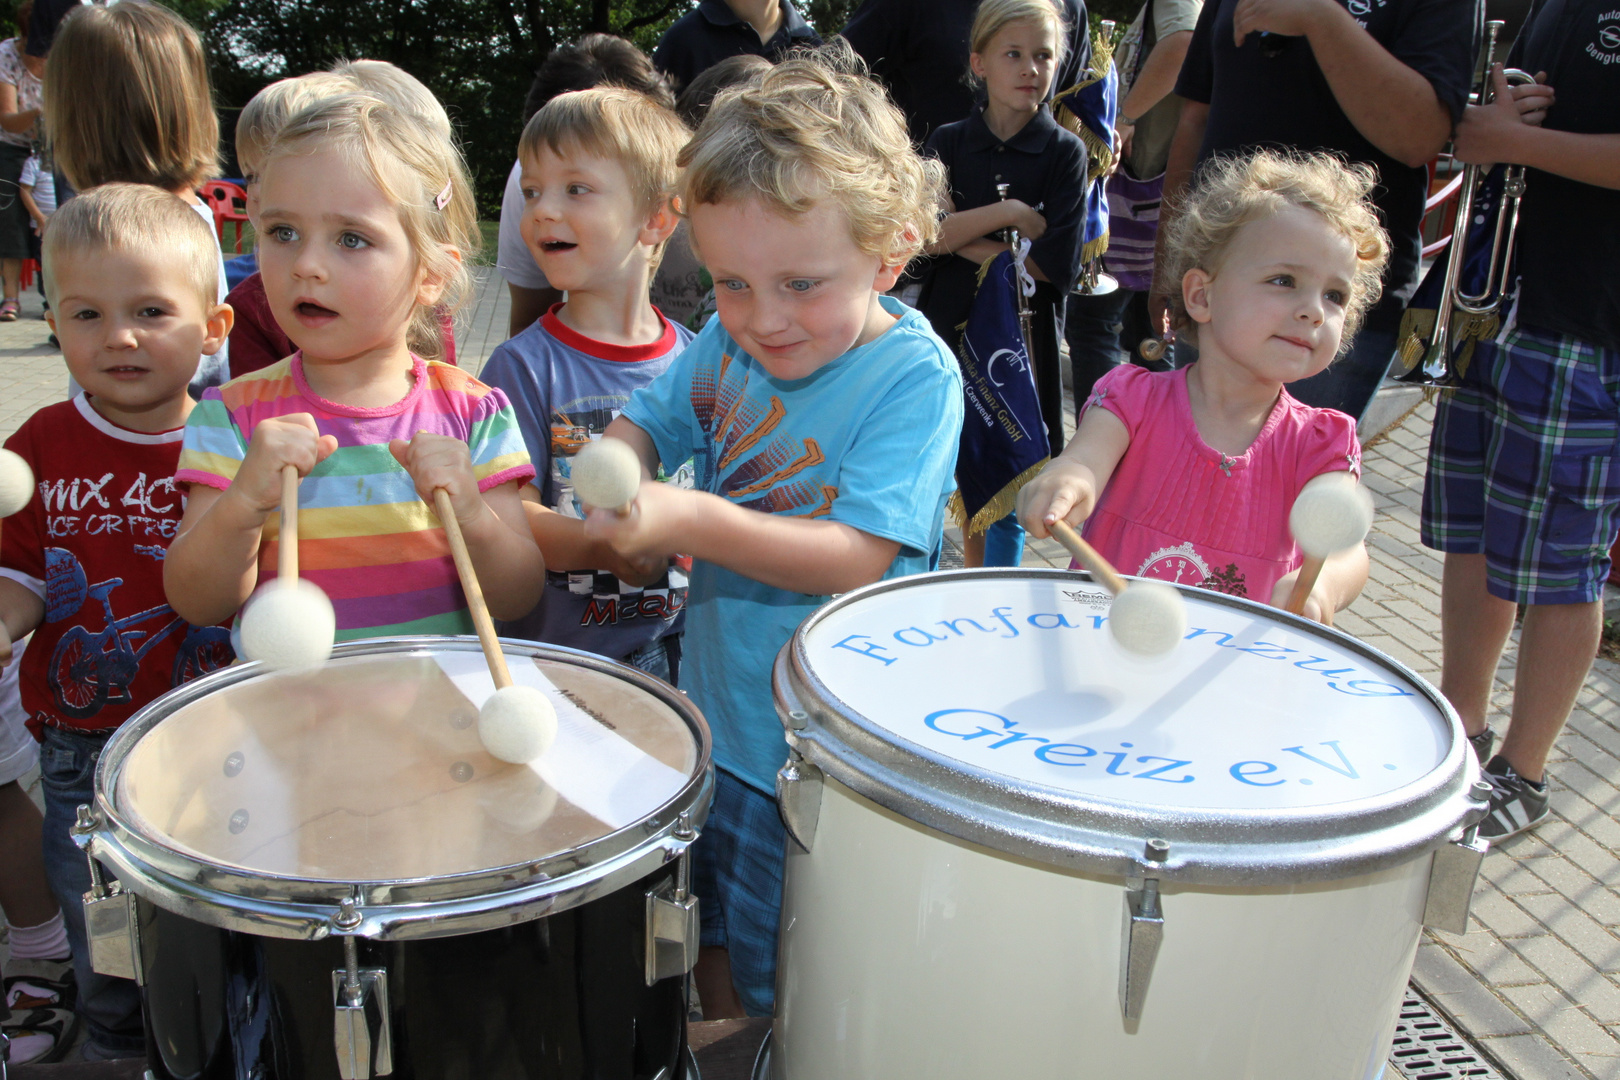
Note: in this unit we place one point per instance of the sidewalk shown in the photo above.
(1536, 981)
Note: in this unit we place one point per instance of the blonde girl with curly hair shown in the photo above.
(1189, 475)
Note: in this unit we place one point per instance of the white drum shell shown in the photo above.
(909, 953)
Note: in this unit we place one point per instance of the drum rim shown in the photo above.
(291, 906)
(1208, 846)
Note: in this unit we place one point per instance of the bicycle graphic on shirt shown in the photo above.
(90, 668)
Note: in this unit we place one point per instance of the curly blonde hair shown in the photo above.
(1232, 191)
(412, 165)
(817, 127)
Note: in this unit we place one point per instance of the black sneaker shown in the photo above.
(1516, 803)
(1483, 744)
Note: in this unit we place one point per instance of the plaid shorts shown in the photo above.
(1523, 467)
(737, 866)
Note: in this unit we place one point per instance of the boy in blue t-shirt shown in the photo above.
(598, 172)
(823, 420)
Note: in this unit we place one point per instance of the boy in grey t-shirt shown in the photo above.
(598, 170)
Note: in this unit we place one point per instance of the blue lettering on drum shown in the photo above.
(993, 731)
(1344, 678)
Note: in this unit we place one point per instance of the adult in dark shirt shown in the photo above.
(1523, 485)
(1377, 81)
(919, 50)
(718, 29)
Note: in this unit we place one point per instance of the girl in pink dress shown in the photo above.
(1189, 475)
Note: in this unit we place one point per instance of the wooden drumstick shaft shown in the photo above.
(475, 593)
(287, 541)
(1309, 571)
(1088, 557)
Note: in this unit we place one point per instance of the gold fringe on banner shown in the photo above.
(1004, 502)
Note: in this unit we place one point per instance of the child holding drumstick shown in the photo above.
(364, 215)
(1189, 475)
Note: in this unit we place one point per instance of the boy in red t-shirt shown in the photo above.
(132, 280)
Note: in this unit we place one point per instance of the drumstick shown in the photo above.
(1088, 557)
(517, 723)
(606, 473)
(1146, 617)
(289, 625)
(1333, 513)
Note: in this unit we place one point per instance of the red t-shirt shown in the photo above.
(257, 340)
(91, 544)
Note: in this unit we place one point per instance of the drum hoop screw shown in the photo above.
(347, 918)
(1481, 791)
(85, 818)
(1158, 850)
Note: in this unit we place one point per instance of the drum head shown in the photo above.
(371, 768)
(1005, 692)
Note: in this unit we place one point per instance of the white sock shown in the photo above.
(47, 941)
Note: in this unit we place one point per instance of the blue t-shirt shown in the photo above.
(869, 440)
(565, 388)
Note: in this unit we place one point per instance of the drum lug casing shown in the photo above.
(361, 1031)
(1455, 871)
(1143, 933)
(109, 914)
(673, 930)
(798, 799)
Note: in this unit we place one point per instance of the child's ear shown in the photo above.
(975, 65)
(431, 286)
(217, 328)
(888, 275)
(1195, 294)
(660, 224)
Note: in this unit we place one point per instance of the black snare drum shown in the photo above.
(325, 875)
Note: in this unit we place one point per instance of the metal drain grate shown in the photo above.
(1428, 1048)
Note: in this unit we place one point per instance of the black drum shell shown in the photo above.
(557, 998)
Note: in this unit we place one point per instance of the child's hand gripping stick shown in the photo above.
(607, 473)
(517, 723)
(1332, 514)
(16, 491)
(289, 624)
(1147, 617)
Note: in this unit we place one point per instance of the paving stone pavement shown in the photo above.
(1536, 980)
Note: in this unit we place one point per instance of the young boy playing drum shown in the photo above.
(132, 277)
(823, 419)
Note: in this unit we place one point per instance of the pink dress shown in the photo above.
(1178, 510)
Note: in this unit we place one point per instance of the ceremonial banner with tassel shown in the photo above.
(1417, 325)
(1088, 108)
(1003, 436)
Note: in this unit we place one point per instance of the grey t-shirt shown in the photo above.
(565, 389)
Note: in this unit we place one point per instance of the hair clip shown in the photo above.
(442, 200)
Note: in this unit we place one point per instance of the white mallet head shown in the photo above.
(606, 473)
(289, 626)
(517, 724)
(16, 483)
(1148, 618)
(1333, 513)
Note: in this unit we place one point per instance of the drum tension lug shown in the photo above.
(673, 930)
(1455, 871)
(362, 1033)
(798, 799)
(109, 913)
(1143, 933)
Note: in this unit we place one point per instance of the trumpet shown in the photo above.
(1434, 367)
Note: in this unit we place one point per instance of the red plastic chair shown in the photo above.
(229, 203)
(30, 267)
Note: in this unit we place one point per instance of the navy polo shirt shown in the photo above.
(702, 38)
(919, 49)
(1045, 166)
(1569, 232)
(1284, 100)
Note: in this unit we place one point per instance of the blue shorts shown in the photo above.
(1524, 467)
(737, 866)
